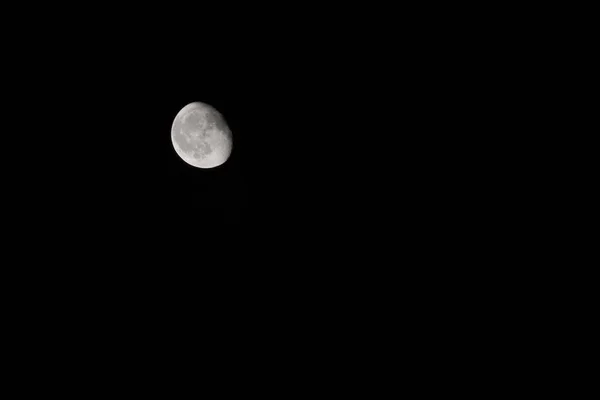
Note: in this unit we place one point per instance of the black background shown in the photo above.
(364, 149)
(352, 140)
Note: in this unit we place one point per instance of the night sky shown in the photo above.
(339, 132)
(359, 174)
(370, 223)
(335, 135)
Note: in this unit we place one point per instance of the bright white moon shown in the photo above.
(201, 136)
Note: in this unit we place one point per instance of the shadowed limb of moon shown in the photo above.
(201, 136)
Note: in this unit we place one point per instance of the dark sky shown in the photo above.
(362, 186)
(353, 149)
(332, 126)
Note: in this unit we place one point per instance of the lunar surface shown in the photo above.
(201, 136)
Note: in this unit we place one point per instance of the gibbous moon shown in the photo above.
(201, 136)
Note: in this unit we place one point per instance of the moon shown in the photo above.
(201, 137)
